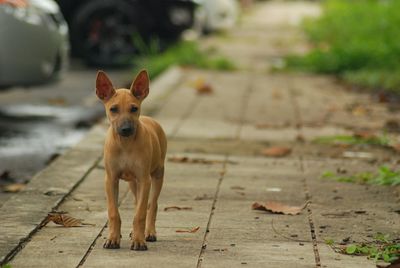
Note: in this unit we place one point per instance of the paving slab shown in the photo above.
(248, 110)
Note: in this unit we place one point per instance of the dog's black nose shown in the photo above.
(125, 130)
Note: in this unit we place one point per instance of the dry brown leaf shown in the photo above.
(57, 101)
(359, 110)
(193, 230)
(396, 147)
(61, 218)
(14, 187)
(276, 94)
(300, 138)
(177, 208)
(383, 97)
(279, 208)
(364, 134)
(204, 89)
(201, 86)
(276, 151)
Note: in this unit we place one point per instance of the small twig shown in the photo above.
(286, 237)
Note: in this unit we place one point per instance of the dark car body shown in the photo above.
(102, 31)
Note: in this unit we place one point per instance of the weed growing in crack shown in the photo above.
(384, 176)
(353, 140)
(381, 248)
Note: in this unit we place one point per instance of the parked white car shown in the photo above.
(34, 43)
(217, 15)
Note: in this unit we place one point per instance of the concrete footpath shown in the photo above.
(222, 135)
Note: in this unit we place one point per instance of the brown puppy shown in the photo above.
(134, 151)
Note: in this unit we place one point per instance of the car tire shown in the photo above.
(102, 32)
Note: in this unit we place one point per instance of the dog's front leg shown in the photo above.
(139, 221)
(114, 220)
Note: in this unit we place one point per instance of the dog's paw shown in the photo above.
(151, 238)
(111, 244)
(138, 245)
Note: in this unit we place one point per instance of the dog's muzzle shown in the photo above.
(126, 129)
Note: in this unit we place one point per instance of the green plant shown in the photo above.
(381, 248)
(329, 241)
(353, 140)
(357, 40)
(184, 53)
(384, 176)
(388, 251)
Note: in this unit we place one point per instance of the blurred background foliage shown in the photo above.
(357, 40)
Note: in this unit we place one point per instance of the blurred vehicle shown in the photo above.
(33, 42)
(217, 15)
(109, 32)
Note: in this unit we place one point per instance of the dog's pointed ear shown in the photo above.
(140, 86)
(104, 88)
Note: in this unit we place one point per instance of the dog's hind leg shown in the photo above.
(133, 187)
(157, 179)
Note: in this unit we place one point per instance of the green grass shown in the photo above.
(353, 140)
(184, 53)
(381, 248)
(383, 176)
(358, 41)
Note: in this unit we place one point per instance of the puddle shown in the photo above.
(30, 135)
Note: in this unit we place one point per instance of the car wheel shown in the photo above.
(102, 32)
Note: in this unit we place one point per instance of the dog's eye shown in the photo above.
(134, 109)
(114, 109)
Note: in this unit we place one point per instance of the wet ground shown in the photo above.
(40, 122)
(33, 135)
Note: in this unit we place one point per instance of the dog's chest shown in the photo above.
(128, 166)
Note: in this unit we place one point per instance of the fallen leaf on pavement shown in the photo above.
(396, 147)
(383, 97)
(61, 218)
(193, 230)
(276, 94)
(14, 187)
(57, 101)
(202, 87)
(359, 110)
(177, 208)
(365, 134)
(300, 138)
(279, 208)
(276, 151)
